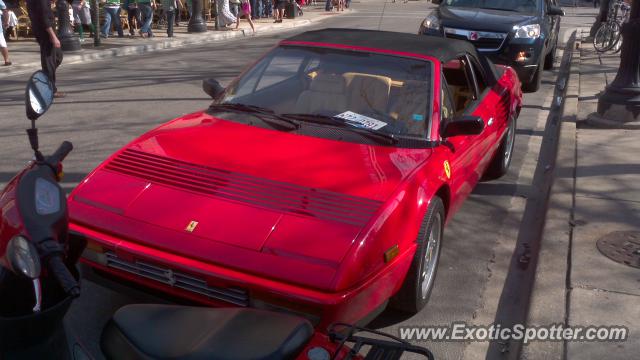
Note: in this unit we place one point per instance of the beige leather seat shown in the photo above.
(326, 94)
(367, 93)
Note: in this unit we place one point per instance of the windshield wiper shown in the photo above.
(264, 114)
(500, 9)
(338, 122)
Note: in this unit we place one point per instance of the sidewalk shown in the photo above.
(596, 195)
(25, 55)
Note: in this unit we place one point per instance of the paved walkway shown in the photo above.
(607, 200)
(596, 194)
(24, 53)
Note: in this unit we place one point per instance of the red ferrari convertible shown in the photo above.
(318, 182)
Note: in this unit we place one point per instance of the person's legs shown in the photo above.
(171, 19)
(254, 8)
(106, 27)
(48, 61)
(147, 16)
(118, 23)
(251, 23)
(3, 48)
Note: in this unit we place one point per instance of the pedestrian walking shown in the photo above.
(226, 17)
(267, 8)
(82, 17)
(179, 8)
(146, 11)
(42, 27)
(3, 43)
(245, 7)
(111, 13)
(280, 5)
(253, 5)
(328, 6)
(9, 23)
(169, 7)
(234, 6)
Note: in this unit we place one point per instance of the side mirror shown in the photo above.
(555, 11)
(212, 87)
(464, 125)
(38, 95)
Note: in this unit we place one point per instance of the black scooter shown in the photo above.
(38, 279)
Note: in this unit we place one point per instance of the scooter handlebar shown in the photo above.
(64, 277)
(60, 154)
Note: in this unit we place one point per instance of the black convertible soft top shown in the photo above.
(437, 47)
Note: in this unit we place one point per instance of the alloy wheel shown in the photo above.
(431, 255)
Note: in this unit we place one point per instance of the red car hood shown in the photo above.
(264, 191)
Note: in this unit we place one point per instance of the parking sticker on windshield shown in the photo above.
(361, 121)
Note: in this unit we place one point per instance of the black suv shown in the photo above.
(520, 33)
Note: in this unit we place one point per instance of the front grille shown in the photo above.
(274, 195)
(178, 280)
(482, 40)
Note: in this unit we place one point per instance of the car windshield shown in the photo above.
(524, 6)
(339, 88)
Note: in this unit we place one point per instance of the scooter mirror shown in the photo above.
(38, 95)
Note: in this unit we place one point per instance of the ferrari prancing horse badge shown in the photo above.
(192, 226)
(447, 169)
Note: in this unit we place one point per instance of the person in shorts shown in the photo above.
(3, 43)
(245, 9)
(280, 5)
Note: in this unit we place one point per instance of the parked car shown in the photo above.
(318, 182)
(520, 33)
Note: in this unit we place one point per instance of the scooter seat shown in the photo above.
(194, 333)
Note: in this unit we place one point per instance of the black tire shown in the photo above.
(502, 159)
(412, 296)
(536, 81)
(550, 59)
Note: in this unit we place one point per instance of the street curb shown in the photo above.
(550, 297)
(140, 49)
(516, 298)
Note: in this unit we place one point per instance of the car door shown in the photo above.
(460, 91)
(493, 109)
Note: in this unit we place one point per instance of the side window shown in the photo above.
(447, 111)
(280, 69)
(479, 74)
(458, 76)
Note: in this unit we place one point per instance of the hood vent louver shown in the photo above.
(247, 189)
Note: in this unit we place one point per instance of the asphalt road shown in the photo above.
(111, 102)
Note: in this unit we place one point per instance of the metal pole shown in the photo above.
(216, 10)
(196, 23)
(95, 19)
(68, 40)
(621, 99)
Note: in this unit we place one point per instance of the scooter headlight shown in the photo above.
(47, 197)
(23, 257)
